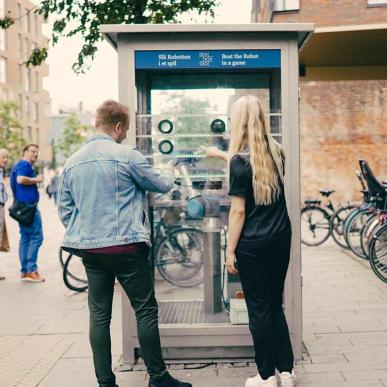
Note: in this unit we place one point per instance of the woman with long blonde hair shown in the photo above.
(259, 237)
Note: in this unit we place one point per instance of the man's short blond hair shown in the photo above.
(110, 113)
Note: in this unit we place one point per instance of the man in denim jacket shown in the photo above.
(102, 205)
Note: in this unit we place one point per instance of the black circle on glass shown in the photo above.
(165, 147)
(218, 126)
(165, 126)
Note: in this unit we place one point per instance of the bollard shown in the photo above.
(212, 266)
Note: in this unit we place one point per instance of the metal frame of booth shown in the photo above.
(204, 341)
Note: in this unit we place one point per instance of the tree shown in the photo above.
(74, 135)
(11, 130)
(84, 17)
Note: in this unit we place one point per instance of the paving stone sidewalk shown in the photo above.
(44, 338)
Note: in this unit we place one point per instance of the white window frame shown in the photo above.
(3, 70)
(2, 8)
(285, 5)
(376, 3)
(3, 39)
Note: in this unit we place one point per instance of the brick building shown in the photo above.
(17, 82)
(343, 89)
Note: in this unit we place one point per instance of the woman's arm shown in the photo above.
(236, 221)
(213, 151)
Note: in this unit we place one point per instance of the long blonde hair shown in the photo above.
(249, 133)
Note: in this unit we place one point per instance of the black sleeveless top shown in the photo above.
(262, 221)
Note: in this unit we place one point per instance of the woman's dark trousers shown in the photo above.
(262, 268)
(134, 273)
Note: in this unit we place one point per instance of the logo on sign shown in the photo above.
(205, 59)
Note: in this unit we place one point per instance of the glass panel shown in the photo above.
(177, 114)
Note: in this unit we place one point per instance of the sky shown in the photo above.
(101, 82)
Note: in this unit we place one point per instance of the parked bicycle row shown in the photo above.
(361, 228)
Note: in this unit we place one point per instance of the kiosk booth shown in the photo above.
(180, 82)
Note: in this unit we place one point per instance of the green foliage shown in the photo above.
(6, 22)
(37, 56)
(11, 130)
(74, 135)
(80, 17)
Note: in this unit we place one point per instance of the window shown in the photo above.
(20, 73)
(35, 111)
(37, 135)
(29, 80)
(20, 46)
(286, 5)
(29, 133)
(2, 9)
(26, 49)
(20, 105)
(36, 81)
(4, 94)
(25, 14)
(36, 24)
(25, 78)
(377, 2)
(27, 107)
(2, 39)
(3, 70)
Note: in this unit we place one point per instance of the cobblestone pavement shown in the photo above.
(44, 339)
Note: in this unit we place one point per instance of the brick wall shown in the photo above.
(334, 13)
(341, 122)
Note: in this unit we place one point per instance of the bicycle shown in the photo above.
(319, 223)
(73, 273)
(378, 248)
(359, 225)
(178, 253)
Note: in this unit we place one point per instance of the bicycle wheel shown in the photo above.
(353, 230)
(62, 256)
(314, 225)
(74, 275)
(378, 253)
(367, 233)
(179, 257)
(336, 225)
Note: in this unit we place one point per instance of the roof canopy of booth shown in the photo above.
(301, 30)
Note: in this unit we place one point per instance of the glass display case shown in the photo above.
(181, 112)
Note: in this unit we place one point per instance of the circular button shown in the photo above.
(165, 147)
(165, 126)
(218, 126)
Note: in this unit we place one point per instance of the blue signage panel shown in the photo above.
(208, 59)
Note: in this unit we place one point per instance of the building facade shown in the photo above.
(19, 83)
(343, 89)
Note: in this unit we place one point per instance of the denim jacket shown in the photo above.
(102, 199)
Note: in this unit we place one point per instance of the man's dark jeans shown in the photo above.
(134, 273)
(262, 268)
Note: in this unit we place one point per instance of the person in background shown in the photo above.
(102, 204)
(53, 186)
(259, 237)
(4, 243)
(24, 184)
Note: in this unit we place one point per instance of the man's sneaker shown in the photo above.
(23, 276)
(288, 379)
(34, 277)
(257, 381)
(167, 381)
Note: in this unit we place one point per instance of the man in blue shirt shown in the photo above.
(25, 190)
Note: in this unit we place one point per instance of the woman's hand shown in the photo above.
(230, 262)
(213, 151)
